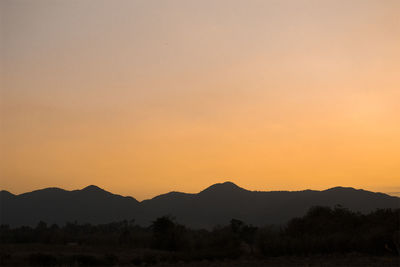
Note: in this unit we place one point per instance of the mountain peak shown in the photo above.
(340, 188)
(223, 187)
(93, 188)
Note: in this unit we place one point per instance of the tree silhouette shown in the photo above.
(167, 234)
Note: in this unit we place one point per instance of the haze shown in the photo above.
(145, 97)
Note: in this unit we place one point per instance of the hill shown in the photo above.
(214, 205)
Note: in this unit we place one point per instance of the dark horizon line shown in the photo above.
(226, 184)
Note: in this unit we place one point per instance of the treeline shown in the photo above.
(322, 230)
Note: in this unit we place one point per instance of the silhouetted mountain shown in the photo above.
(216, 204)
(223, 188)
(6, 194)
(54, 205)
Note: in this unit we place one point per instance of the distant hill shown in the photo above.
(215, 205)
(53, 205)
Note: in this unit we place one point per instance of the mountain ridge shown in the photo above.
(214, 205)
(215, 186)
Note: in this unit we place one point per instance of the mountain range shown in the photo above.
(215, 205)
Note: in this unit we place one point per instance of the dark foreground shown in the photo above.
(323, 237)
(71, 255)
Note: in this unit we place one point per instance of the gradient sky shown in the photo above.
(145, 97)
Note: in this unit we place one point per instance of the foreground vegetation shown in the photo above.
(334, 233)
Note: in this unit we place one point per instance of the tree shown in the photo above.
(166, 234)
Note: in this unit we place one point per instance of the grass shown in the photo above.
(75, 255)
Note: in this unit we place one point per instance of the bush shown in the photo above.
(40, 259)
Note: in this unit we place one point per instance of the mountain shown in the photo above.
(54, 205)
(214, 205)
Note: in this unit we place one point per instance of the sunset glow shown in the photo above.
(146, 97)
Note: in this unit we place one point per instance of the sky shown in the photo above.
(144, 97)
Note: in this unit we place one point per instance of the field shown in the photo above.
(75, 255)
(323, 237)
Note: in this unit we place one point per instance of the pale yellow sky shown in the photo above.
(145, 97)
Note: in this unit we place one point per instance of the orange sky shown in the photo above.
(145, 97)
